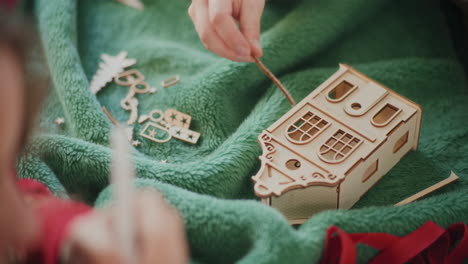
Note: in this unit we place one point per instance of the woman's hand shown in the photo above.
(159, 235)
(216, 24)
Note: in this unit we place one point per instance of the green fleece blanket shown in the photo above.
(402, 44)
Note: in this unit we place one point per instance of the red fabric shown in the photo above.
(8, 3)
(54, 216)
(430, 244)
(32, 187)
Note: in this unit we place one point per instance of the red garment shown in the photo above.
(8, 3)
(429, 244)
(54, 216)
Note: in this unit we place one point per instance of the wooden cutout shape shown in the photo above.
(170, 81)
(136, 4)
(143, 119)
(150, 116)
(110, 67)
(156, 119)
(165, 124)
(131, 77)
(364, 99)
(183, 134)
(176, 118)
(146, 88)
(453, 177)
(59, 121)
(150, 132)
(130, 104)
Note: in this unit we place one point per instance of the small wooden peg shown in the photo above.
(170, 81)
(110, 116)
(453, 177)
(275, 81)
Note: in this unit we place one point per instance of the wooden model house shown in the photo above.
(332, 147)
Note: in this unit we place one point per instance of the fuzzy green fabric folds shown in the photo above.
(403, 44)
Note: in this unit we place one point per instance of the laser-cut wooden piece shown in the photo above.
(59, 121)
(316, 155)
(135, 79)
(176, 118)
(142, 119)
(453, 177)
(146, 88)
(136, 4)
(155, 116)
(183, 134)
(130, 77)
(152, 130)
(110, 67)
(130, 103)
(170, 81)
(173, 127)
(165, 124)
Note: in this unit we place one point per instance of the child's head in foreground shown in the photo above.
(19, 100)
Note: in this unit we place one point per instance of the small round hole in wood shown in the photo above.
(356, 106)
(293, 164)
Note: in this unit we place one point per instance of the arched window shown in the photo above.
(306, 128)
(338, 147)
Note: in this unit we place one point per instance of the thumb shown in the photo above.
(250, 16)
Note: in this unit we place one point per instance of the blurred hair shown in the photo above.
(18, 34)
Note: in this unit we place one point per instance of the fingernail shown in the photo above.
(245, 58)
(258, 47)
(243, 51)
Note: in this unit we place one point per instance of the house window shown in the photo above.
(306, 128)
(385, 115)
(370, 171)
(293, 164)
(401, 142)
(338, 147)
(343, 89)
